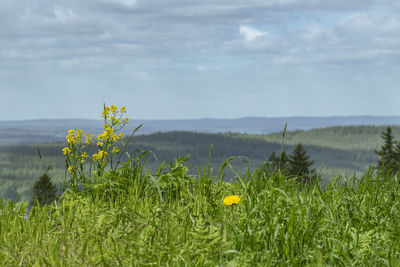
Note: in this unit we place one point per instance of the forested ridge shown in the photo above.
(20, 165)
(364, 137)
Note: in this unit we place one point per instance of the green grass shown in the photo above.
(136, 217)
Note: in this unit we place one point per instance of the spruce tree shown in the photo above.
(279, 162)
(397, 156)
(300, 165)
(44, 190)
(388, 153)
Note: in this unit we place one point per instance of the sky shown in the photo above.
(180, 59)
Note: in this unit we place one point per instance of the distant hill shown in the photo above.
(344, 149)
(37, 131)
(339, 137)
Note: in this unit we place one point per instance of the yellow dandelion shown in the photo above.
(231, 200)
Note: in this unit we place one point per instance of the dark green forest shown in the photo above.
(21, 165)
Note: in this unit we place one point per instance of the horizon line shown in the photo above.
(209, 118)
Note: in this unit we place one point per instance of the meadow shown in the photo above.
(134, 217)
(118, 212)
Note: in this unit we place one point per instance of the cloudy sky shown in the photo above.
(180, 59)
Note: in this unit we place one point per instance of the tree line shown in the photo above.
(389, 153)
(295, 166)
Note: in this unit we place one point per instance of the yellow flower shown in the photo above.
(95, 172)
(74, 136)
(106, 134)
(89, 139)
(69, 168)
(105, 112)
(70, 136)
(113, 108)
(99, 144)
(102, 154)
(115, 138)
(66, 150)
(115, 150)
(95, 157)
(231, 200)
(84, 155)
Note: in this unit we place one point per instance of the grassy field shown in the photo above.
(134, 217)
(119, 212)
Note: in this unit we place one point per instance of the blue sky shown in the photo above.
(180, 59)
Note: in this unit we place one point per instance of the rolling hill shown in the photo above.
(38, 131)
(345, 149)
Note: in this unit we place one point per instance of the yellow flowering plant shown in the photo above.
(75, 151)
(79, 145)
(231, 200)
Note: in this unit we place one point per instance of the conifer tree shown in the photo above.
(279, 162)
(44, 190)
(397, 156)
(300, 165)
(389, 152)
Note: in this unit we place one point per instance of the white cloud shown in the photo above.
(64, 14)
(314, 32)
(32, 17)
(370, 23)
(88, 62)
(250, 34)
(126, 3)
(357, 22)
(142, 75)
(78, 33)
